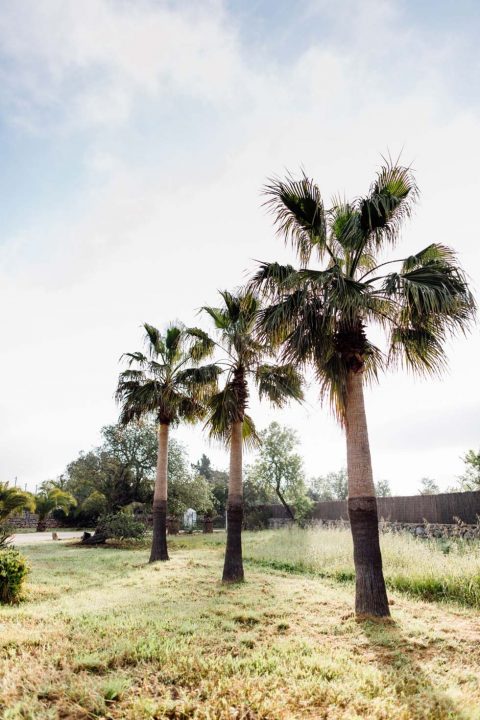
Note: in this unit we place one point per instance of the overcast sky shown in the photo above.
(135, 137)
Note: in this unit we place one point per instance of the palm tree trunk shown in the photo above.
(159, 541)
(371, 594)
(233, 567)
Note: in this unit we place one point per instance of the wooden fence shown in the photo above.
(443, 508)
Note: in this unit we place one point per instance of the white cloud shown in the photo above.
(91, 62)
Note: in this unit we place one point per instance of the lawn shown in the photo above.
(104, 635)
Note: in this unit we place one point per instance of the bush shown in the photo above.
(6, 536)
(121, 526)
(13, 569)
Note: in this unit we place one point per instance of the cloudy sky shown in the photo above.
(135, 136)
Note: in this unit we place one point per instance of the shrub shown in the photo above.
(121, 526)
(13, 569)
(6, 536)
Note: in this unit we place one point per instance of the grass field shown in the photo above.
(104, 635)
(429, 569)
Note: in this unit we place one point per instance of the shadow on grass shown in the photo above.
(404, 673)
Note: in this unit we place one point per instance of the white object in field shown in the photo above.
(190, 518)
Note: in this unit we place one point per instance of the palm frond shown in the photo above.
(299, 214)
(389, 202)
(417, 349)
(434, 253)
(271, 277)
(219, 317)
(202, 345)
(154, 340)
(199, 380)
(223, 412)
(279, 383)
(249, 433)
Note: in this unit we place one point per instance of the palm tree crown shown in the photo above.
(245, 356)
(168, 382)
(321, 313)
(13, 500)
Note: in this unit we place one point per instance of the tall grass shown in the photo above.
(429, 569)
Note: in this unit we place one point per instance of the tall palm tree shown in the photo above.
(245, 357)
(169, 384)
(322, 315)
(51, 498)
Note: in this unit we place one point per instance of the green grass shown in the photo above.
(429, 569)
(105, 635)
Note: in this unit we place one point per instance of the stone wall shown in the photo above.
(423, 530)
(29, 520)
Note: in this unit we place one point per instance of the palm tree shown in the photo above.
(51, 498)
(13, 500)
(320, 316)
(169, 384)
(245, 357)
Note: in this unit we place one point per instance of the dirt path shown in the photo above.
(35, 538)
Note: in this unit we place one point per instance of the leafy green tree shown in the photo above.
(280, 469)
(168, 384)
(382, 488)
(135, 446)
(100, 483)
(428, 486)
(51, 498)
(470, 480)
(187, 489)
(245, 357)
(332, 486)
(218, 481)
(204, 467)
(322, 315)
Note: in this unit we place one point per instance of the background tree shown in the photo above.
(169, 385)
(332, 486)
(280, 469)
(323, 315)
(245, 358)
(470, 479)
(218, 481)
(187, 488)
(382, 488)
(428, 486)
(51, 498)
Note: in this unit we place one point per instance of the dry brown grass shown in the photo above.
(122, 639)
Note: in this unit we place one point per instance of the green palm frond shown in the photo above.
(219, 317)
(135, 357)
(173, 340)
(204, 378)
(279, 383)
(249, 433)
(299, 214)
(223, 412)
(417, 349)
(202, 345)
(434, 253)
(272, 276)
(154, 340)
(389, 202)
